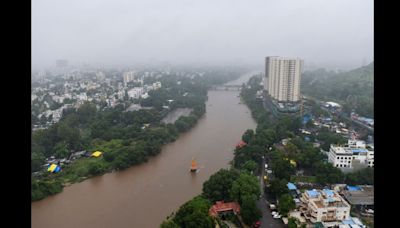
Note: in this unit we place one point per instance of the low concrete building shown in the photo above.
(324, 206)
(359, 195)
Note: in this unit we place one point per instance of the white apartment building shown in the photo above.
(282, 78)
(129, 77)
(355, 151)
(324, 206)
(135, 93)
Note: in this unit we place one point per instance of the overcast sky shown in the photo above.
(322, 32)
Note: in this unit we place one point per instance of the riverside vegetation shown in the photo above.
(122, 136)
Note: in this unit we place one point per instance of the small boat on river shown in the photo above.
(193, 167)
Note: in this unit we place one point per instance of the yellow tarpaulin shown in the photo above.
(52, 167)
(293, 162)
(96, 154)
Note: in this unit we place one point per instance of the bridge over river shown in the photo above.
(226, 88)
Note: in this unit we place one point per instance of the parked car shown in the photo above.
(257, 224)
(274, 213)
(272, 206)
(277, 216)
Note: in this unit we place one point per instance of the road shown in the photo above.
(266, 221)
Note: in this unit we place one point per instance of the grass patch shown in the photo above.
(77, 171)
(307, 179)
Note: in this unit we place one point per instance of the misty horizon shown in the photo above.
(337, 34)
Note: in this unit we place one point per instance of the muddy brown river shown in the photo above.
(143, 195)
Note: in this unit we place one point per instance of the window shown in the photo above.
(349, 162)
(337, 165)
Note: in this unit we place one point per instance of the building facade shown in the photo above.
(324, 206)
(282, 78)
(354, 152)
(129, 76)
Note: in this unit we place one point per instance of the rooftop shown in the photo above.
(363, 196)
(220, 206)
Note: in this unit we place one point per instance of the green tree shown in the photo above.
(286, 204)
(248, 136)
(194, 213)
(246, 184)
(249, 211)
(95, 168)
(218, 186)
(361, 177)
(86, 112)
(326, 173)
(169, 224)
(292, 222)
(278, 187)
(37, 160)
(282, 168)
(61, 150)
(250, 166)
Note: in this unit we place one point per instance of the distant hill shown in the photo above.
(354, 89)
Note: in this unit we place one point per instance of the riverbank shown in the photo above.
(124, 138)
(123, 199)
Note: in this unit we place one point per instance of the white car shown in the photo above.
(277, 216)
(272, 206)
(274, 213)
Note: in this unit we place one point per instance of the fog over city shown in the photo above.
(331, 34)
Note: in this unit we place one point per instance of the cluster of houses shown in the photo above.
(81, 90)
(331, 208)
(364, 120)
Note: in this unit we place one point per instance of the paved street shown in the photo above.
(266, 221)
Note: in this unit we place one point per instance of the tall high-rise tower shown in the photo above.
(282, 78)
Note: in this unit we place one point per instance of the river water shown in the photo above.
(143, 195)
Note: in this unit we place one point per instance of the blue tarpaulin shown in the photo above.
(328, 192)
(313, 193)
(291, 186)
(353, 188)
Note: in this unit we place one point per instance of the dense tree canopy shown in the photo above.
(286, 204)
(354, 89)
(246, 184)
(218, 186)
(194, 213)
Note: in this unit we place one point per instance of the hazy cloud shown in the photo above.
(323, 32)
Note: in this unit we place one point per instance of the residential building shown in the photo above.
(282, 78)
(324, 206)
(135, 93)
(354, 153)
(129, 77)
(156, 85)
